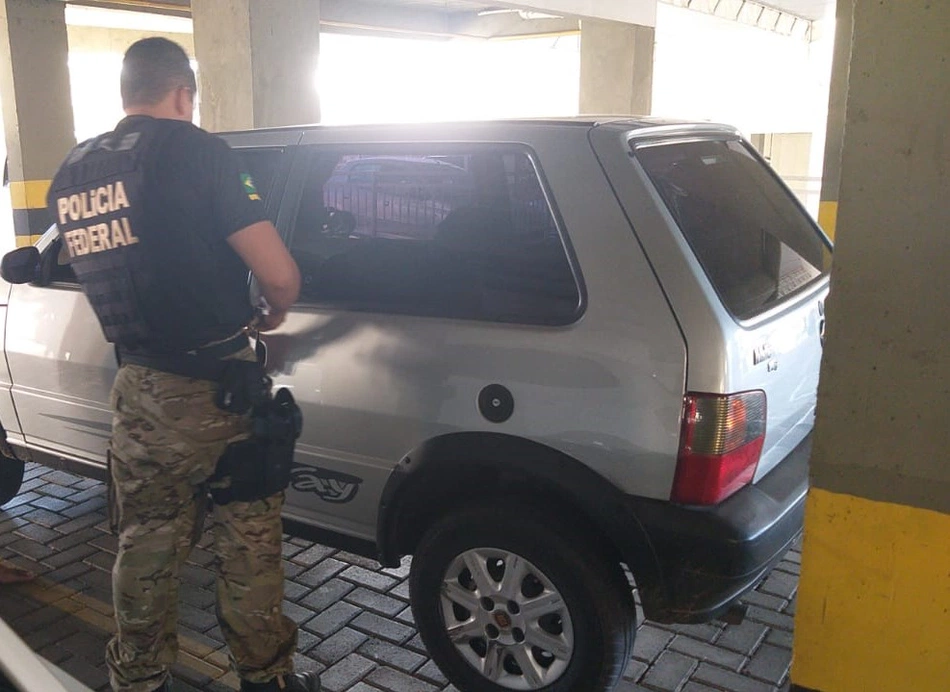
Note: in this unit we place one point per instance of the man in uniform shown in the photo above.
(162, 224)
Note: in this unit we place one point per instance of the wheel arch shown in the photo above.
(449, 470)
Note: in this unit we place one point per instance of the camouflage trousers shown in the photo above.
(167, 436)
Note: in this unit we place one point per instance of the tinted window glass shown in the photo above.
(755, 244)
(463, 234)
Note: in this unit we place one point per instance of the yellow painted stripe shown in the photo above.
(873, 597)
(201, 658)
(25, 240)
(828, 217)
(29, 194)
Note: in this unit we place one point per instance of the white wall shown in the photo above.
(369, 79)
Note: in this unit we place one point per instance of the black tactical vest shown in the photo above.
(122, 255)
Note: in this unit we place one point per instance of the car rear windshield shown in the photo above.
(756, 245)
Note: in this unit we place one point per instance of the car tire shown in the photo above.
(11, 478)
(561, 592)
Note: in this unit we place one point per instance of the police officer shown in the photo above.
(161, 224)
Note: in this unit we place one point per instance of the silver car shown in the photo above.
(554, 361)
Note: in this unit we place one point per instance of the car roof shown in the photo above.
(625, 122)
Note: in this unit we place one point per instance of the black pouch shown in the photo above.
(243, 386)
(260, 466)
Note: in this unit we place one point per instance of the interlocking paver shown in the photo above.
(332, 619)
(346, 673)
(781, 584)
(338, 646)
(780, 638)
(770, 617)
(375, 601)
(37, 533)
(392, 655)
(294, 591)
(384, 628)
(31, 549)
(742, 638)
(431, 673)
(394, 681)
(366, 577)
(59, 491)
(327, 594)
(357, 626)
(650, 642)
(322, 572)
(298, 613)
(94, 676)
(53, 504)
(727, 680)
(707, 652)
(770, 663)
(670, 671)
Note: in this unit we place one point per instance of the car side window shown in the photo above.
(465, 234)
(262, 165)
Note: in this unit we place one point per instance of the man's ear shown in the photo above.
(184, 103)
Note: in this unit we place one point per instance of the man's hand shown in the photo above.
(265, 254)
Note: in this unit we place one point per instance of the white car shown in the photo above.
(531, 354)
(21, 670)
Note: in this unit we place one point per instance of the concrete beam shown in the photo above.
(642, 12)
(97, 39)
(510, 25)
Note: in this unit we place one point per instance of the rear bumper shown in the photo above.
(709, 557)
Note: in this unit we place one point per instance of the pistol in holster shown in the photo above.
(260, 465)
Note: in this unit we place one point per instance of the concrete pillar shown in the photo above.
(872, 610)
(256, 62)
(616, 68)
(837, 101)
(37, 108)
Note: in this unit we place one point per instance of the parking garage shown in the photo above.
(845, 100)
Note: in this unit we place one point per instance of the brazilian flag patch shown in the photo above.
(249, 187)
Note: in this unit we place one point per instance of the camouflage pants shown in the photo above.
(167, 436)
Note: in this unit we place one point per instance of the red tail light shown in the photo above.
(720, 445)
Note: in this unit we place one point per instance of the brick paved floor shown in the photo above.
(356, 626)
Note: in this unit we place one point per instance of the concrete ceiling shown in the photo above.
(447, 9)
(809, 9)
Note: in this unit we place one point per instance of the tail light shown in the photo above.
(720, 445)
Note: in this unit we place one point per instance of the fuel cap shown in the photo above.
(496, 403)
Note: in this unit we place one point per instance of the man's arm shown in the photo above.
(265, 254)
(242, 221)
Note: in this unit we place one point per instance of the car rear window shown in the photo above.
(463, 232)
(755, 243)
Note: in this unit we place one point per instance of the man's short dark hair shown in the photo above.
(153, 67)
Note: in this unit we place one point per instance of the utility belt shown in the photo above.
(259, 466)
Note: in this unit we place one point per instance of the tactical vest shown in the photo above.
(98, 202)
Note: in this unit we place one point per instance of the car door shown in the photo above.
(60, 364)
(400, 286)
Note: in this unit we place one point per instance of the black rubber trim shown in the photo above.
(333, 539)
(81, 467)
(446, 472)
(711, 556)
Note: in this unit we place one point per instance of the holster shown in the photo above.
(259, 466)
